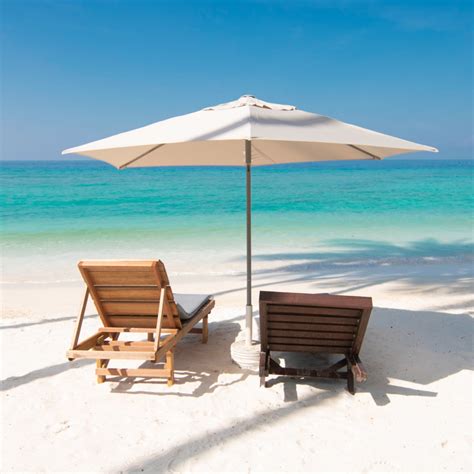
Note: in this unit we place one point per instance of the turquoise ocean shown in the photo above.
(391, 211)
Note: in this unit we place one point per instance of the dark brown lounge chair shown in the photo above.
(135, 297)
(321, 323)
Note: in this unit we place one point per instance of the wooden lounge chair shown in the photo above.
(298, 322)
(134, 297)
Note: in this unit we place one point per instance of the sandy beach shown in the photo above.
(413, 414)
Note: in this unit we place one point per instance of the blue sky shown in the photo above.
(74, 71)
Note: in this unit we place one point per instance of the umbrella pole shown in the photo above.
(248, 185)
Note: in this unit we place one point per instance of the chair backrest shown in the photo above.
(299, 322)
(127, 293)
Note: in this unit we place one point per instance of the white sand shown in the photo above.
(413, 414)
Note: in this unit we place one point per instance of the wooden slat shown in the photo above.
(312, 327)
(127, 329)
(132, 278)
(126, 344)
(303, 348)
(117, 265)
(313, 310)
(307, 299)
(133, 321)
(122, 349)
(311, 335)
(137, 321)
(145, 293)
(309, 342)
(329, 372)
(137, 330)
(99, 354)
(134, 372)
(312, 319)
(130, 308)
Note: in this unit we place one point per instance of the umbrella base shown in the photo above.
(246, 356)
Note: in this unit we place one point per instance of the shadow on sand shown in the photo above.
(413, 346)
(50, 371)
(418, 347)
(44, 321)
(192, 364)
(409, 346)
(354, 264)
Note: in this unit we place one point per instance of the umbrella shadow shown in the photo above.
(337, 251)
(50, 371)
(45, 321)
(354, 264)
(170, 460)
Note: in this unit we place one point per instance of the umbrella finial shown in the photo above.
(248, 100)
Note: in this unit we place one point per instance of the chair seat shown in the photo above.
(189, 304)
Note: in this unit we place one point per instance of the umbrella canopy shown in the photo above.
(214, 135)
(246, 132)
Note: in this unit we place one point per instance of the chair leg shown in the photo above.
(170, 365)
(205, 330)
(262, 368)
(350, 378)
(150, 337)
(100, 363)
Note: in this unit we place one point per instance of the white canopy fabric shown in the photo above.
(215, 135)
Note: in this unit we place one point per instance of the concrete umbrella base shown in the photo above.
(246, 356)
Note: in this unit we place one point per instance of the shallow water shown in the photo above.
(391, 211)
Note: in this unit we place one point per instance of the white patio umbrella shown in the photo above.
(246, 132)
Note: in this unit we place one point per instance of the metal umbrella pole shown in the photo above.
(248, 185)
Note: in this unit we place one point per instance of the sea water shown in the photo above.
(392, 211)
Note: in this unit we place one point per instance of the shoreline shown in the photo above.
(451, 280)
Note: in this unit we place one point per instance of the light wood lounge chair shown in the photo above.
(298, 322)
(134, 297)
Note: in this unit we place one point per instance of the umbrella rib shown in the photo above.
(121, 167)
(375, 157)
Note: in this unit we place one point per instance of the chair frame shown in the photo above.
(104, 345)
(290, 340)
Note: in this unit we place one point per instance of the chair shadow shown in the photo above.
(192, 364)
(418, 347)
